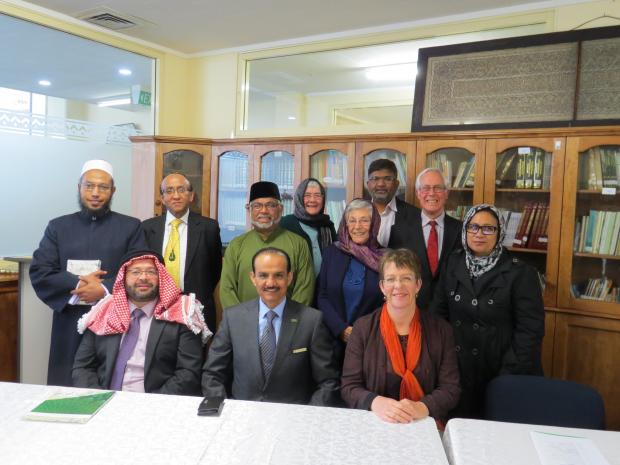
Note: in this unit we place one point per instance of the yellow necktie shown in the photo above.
(172, 255)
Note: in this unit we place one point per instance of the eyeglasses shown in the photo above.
(178, 190)
(150, 273)
(435, 189)
(89, 186)
(486, 229)
(313, 196)
(361, 221)
(386, 179)
(404, 280)
(257, 206)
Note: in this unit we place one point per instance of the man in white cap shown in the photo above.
(77, 261)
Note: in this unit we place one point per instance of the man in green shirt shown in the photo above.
(265, 211)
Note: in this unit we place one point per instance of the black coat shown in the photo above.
(407, 232)
(203, 263)
(498, 321)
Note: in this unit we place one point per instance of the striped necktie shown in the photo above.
(268, 345)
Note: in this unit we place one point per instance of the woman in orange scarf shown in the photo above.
(400, 362)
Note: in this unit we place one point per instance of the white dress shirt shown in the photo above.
(182, 238)
(388, 217)
(426, 230)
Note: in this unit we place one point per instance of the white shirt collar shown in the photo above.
(170, 217)
(440, 219)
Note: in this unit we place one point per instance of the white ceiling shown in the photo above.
(194, 26)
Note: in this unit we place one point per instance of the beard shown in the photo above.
(265, 226)
(142, 296)
(97, 213)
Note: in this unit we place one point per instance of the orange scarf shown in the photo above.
(409, 387)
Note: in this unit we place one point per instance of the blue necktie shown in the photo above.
(268, 345)
(126, 350)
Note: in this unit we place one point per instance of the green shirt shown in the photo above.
(235, 284)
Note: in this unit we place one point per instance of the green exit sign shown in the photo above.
(144, 98)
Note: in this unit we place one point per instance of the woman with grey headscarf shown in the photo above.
(310, 221)
(495, 306)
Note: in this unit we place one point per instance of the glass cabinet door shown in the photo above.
(233, 184)
(523, 181)
(278, 166)
(595, 270)
(399, 159)
(330, 168)
(188, 163)
(459, 168)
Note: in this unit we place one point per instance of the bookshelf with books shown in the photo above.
(591, 234)
(462, 163)
(523, 178)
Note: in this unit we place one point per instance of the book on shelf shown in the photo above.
(70, 407)
(599, 167)
(598, 233)
(601, 289)
(505, 166)
(459, 212)
(531, 229)
(524, 168)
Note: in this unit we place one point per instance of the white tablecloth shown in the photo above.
(156, 429)
(478, 442)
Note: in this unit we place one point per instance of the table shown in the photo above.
(479, 442)
(158, 429)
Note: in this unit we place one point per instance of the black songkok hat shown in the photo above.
(263, 189)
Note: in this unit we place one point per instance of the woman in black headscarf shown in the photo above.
(494, 304)
(310, 221)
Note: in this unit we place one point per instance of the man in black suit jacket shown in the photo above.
(145, 337)
(414, 232)
(382, 185)
(200, 244)
(297, 367)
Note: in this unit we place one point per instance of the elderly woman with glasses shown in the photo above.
(349, 280)
(400, 361)
(310, 221)
(495, 306)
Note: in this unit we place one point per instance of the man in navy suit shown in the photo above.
(200, 257)
(430, 234)
(272, 349)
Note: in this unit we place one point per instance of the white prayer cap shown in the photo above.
(97, 165)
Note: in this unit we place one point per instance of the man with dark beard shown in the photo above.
(145, 336)
(94, 234)
(265, 212)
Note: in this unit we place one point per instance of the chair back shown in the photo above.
(544, 401)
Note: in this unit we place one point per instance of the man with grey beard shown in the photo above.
(265, 210)
(95, 239)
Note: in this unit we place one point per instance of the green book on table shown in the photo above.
(70, 408)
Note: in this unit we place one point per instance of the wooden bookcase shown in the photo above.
(582, 336)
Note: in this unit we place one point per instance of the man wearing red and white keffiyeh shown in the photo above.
(131, 334)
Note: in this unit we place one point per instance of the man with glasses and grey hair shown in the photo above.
(265, 210)
(431, 235)
(77, 260)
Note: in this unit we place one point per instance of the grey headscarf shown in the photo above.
(321, 222)
(477, 266)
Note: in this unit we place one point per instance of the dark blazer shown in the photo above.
(408, 233)
(367, 365)
(498, 321)
(172, 362)
(330, 298)
(303, 373)
(203, 264)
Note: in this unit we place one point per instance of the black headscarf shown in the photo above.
(320, 221)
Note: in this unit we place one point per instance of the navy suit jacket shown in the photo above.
(330, 298)
(203, 263)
